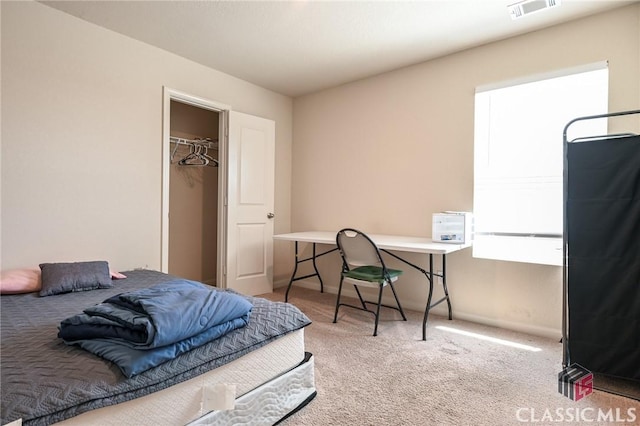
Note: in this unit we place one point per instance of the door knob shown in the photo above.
(270, 215)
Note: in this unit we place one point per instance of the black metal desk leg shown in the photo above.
(315, 268)
(295, 269)
(444, 284)
(429, 275)
(426, 311)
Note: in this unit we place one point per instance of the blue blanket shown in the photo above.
(142, 329)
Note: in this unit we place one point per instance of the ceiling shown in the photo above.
(298, 47)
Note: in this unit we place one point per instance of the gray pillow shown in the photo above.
(79, 276)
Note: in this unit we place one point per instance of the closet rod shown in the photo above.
(209, 143)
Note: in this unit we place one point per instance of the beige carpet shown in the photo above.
(449, 379)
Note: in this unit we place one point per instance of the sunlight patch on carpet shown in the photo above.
(489, 339)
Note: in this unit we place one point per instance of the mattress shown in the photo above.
(187, 399)
(271, 402)
(45, 381)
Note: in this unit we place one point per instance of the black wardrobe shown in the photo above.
(601, 288)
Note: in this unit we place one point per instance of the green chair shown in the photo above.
(363, 266)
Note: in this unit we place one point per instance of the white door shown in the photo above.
(250, 203)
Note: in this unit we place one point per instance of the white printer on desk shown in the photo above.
(452, 227)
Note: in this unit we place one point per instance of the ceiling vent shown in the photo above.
(527, 7)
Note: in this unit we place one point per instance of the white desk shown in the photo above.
(387, 244)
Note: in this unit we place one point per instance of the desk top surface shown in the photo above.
(387, 242)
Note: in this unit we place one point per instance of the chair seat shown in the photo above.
(371, 273)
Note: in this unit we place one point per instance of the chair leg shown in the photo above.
(362, 302)
(375, 330)
(397, 301)
(335, 316)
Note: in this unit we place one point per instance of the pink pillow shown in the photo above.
(117, 275)
(16, 281)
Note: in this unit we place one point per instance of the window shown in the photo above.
(519, 159)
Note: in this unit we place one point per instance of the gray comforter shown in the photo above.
(44, 381)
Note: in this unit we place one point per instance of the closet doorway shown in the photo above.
(230, 246)
(193, 192)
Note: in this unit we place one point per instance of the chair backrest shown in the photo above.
(357, 249)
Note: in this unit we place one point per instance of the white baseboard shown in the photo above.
(511, 325)
(415, 305)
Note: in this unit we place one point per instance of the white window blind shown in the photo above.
(518, 160)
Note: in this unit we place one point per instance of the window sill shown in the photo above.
(527, 249)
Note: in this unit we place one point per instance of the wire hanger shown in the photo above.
(194, 157)
(198, 152)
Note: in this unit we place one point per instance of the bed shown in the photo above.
(255, 374)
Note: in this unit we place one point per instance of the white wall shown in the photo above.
(81, 148)
(82, 138)
(382, 154)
